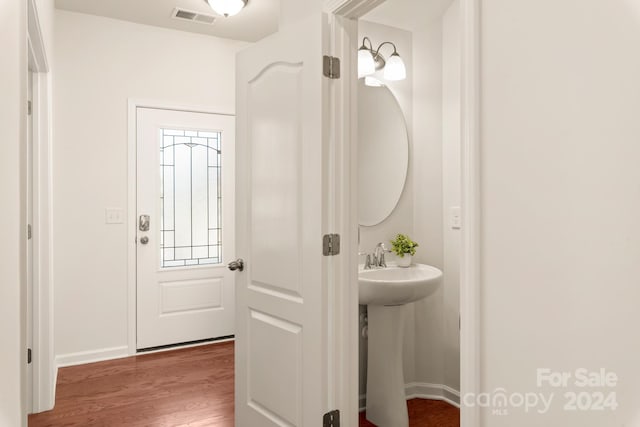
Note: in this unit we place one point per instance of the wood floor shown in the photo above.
(190, 387)
(426, 413)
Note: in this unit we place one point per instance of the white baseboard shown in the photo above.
(91, 356)
(55, 385)
(433, 392)
(103, 354)
(424, 391)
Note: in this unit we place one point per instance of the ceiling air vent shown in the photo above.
(189, 15)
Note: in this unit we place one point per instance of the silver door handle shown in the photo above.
(144, 240)
(143, 222)
(236, 265)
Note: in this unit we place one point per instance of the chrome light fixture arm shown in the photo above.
(377, 52)
(370, 61)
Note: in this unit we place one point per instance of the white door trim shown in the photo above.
(35, 40)
(343, 296)
(344, 14)
(133, 105)
(470, 285)
(44, 369)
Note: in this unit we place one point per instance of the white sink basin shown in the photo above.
(395, 285)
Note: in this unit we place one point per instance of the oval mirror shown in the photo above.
(383, 153)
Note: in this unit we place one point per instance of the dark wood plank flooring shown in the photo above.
(189, 387)
(426, 413)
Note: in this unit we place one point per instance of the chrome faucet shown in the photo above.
(376, 259)
(367, 261)
(378, 255)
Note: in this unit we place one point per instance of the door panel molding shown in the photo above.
(197, 295)
(275, 236)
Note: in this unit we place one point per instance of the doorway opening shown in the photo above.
(465, 213)
(425, 209)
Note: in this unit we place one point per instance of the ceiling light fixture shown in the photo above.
(370, 61)
(227, 7)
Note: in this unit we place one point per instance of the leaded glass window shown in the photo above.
(190, 198)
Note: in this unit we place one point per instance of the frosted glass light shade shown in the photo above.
(372, 82)
(226, 7)
(395, 68)
(366, 66)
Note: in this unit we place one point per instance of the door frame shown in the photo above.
(41, 316)
(343, 15)
(132, 176)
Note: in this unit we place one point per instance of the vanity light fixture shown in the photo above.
(227, 8)
(370, 61)
(372, 81)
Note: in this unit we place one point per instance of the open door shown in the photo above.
(281, 309)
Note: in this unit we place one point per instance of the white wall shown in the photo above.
(401, 219)
(451, 189)
(427, 163)
(437, 188)
(291, 11)
(100, 63)
(13, 86)
(560, 144)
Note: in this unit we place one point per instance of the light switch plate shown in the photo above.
(114, 216)
(454, 217)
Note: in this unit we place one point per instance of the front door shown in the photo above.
(281, 338)
(185, 226)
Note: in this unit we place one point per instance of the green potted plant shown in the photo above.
(404, 248)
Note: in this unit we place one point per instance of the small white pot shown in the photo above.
(404, 261)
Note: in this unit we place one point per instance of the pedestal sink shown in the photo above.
(385, 291)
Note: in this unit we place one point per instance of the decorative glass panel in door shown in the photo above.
(190, 197)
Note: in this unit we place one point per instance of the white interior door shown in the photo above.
(281, 343)
(185, 237)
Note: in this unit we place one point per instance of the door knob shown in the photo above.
(236, 265)
(144, 240)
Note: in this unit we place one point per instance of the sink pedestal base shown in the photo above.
(386, 401)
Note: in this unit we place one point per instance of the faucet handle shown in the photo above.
(380, 247)
(367, 262)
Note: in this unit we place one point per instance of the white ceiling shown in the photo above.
(257, 20)
(408, 14)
